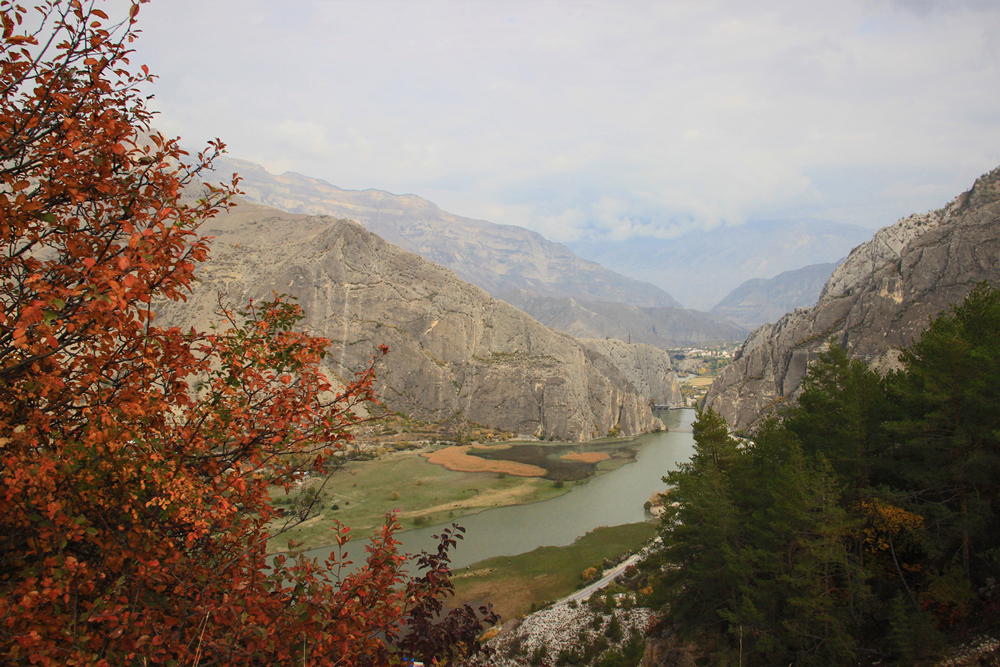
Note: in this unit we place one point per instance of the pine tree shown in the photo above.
(701, 529)
(950, 432)
(840, 414)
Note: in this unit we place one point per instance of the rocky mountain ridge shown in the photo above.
(504, 260)
(496, 258)
(875, 303)
(453, 347)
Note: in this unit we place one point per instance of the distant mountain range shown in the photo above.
(761, 300)
(662, 327)
(497, 258)
(701, 267)
(504, 260)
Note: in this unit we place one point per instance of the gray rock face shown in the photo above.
(877, 302)
(761, 300)
(453, 347)
(497, 258)
(646, 367)
(661, 327)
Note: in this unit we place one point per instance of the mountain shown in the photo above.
(497, 258)
(453, 347)
(701, 267)
(875, 303)
(662, 327)
(761, 300)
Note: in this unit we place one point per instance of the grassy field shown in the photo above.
(421, 493)
(513, 583)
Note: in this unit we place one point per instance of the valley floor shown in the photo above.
(421, 493)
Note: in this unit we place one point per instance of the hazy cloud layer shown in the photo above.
(584, 119)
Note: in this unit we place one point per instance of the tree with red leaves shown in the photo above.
(136, 459)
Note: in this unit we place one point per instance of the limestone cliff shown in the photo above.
(647, 368)
(453, 347)
(878, 301)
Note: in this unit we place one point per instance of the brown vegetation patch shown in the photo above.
(458, 459)
(586, 457)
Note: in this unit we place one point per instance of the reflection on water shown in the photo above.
(611, 499)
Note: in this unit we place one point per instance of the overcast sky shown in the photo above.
(590, 119)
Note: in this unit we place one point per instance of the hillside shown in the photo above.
(761, 300)
(878, 301)
(453, 347)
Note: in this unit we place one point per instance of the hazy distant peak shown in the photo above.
(701, 267)
(497, 258)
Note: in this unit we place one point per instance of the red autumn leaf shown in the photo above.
(136, 459)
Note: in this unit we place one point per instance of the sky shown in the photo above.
(595, 120)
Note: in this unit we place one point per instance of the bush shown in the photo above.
(614, 632)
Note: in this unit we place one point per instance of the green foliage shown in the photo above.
(840, 414)
(913, 633)
(862, 519)
(614, 631)
(950, 430)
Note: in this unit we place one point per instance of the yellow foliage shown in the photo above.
(885, 522)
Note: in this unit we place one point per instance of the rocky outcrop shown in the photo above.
(453, 347)
(647, 368)
(555, 629)
(761, 300)
(497, 258)
(662, 327)
(877, 302)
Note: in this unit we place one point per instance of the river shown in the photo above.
(610, 499)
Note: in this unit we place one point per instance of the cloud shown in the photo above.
(596, 119)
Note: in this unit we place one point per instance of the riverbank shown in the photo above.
(517, 585)
(612, 499)
(423, 493)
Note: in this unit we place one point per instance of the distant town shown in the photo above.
(697, 367)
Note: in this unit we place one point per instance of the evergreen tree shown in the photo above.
(840, 414)
(701, 530)
(861, 519)
(949, 432)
